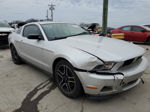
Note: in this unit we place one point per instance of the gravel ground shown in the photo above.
(27, 89)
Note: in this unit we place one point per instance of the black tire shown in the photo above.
(67, 80)
(148, 40)
(15, 57)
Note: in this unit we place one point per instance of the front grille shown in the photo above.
(129, 83)
(131, 61)
(128, 62)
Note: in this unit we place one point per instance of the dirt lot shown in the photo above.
(26, 89)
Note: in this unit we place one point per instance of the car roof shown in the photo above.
(132, 25)
(146, 24)
(135, 25)
(46, 22)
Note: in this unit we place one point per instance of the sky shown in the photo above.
(121, 12)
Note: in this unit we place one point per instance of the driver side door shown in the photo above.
(127, 32)
(31, 49)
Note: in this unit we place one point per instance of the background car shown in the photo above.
(5, 30)
(78, 61)
(95, 28)
(109, 29)
(147, 25)
(135, 33)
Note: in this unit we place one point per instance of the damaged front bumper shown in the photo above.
(103, 84)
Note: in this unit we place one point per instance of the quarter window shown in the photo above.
(138, 29)
(30, 30)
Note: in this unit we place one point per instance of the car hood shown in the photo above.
(107, 49)
(3, 29)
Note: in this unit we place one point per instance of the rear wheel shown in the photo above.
(148, 40)
(67, 80)
(15, 57)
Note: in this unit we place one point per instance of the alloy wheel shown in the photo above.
(66, 78)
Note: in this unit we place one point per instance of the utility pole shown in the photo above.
(47, 16)
(51, 8)
(105, 16)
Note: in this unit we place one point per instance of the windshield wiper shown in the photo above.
(58, 38)
(83, 33)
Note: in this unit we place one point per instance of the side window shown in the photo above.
(127, 28)
(30, 30)
(137, 29)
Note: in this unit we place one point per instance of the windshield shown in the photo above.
(61, 30)
(4, 25)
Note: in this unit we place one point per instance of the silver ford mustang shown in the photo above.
(79, 61)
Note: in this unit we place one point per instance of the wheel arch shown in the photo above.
(56, 61)
(70, 61)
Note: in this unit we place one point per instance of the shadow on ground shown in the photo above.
(29, 105)
(4, 47)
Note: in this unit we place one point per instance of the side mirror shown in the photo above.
(35, 37)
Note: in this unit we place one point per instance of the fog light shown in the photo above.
(107, 88)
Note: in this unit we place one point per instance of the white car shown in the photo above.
(5, 30)
(79, 62)
(147, 25)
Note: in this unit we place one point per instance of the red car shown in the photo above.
(134, 33)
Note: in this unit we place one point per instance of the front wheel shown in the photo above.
(15, 57)
(67, 80)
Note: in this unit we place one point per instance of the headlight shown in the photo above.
(3, 34)
(106, 66)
